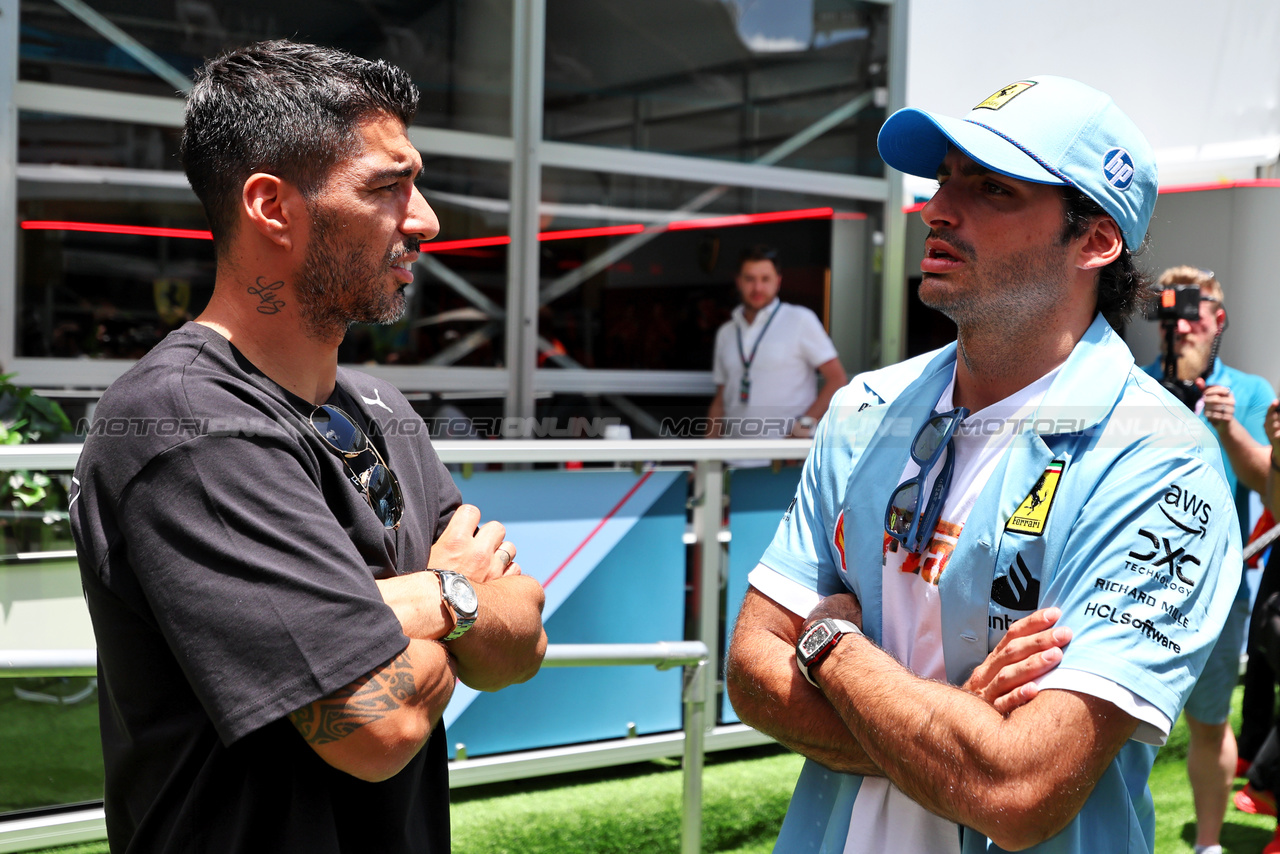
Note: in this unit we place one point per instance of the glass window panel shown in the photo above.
(730, 80)
(49, 138)
(459, 53)
(103, 295)
(458, 295)
(657, 305)
(109, 295)
(53, 753)
(621, 416)
(48, 723)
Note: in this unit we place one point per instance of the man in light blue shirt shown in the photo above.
(1235, 405)
(1028, 465)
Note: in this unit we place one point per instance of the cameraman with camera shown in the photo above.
(1191, 311)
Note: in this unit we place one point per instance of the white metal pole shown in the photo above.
(528, 42)
(708, 514)
(893, 305)
(695, 717)
(8, 181)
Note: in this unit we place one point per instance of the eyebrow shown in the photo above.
(969, 169)
(388, 175)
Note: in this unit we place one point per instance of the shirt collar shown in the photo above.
(1086, 388)
(1092, 379)
(761, 315)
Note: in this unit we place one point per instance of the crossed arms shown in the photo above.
(372, 727)
(995, 755)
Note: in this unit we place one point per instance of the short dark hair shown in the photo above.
(1121, 285)
(283, 108)
(759, 252)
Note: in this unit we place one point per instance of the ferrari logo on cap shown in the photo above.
(1031, 515)
(1005, 95)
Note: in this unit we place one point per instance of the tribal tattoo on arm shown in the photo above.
(364, 701)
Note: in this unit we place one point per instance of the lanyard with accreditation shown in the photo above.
(744, 387)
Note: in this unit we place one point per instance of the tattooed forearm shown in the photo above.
(362, 702)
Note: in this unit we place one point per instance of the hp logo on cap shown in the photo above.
(1118, 166)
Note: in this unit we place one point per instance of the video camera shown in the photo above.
(1177, 302)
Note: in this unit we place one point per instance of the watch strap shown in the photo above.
(841, 628)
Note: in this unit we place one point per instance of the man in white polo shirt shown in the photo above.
(765, 361)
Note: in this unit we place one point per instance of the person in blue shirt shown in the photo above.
(1234, 404)
(1030, 464)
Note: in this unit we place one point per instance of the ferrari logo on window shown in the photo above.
(1005, 95)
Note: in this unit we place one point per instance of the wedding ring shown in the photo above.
(507, 553)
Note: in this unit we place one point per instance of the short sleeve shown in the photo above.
(259, 591)
(1148, 574)
(804, 547)
(815, 342)
(720, 369)
(1252, 410)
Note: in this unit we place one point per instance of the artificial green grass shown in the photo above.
(1175, 813)
(633, 809)
(51, 753)
(636, 808)
(744, 798)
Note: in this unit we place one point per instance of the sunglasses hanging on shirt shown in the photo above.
(376, 482)
(904, 520)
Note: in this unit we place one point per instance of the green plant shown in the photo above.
(31, 502)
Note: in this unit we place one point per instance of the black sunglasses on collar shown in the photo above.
(377, 482)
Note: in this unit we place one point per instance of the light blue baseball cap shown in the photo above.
(1049, 130)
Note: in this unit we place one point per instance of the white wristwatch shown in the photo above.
(818, 640)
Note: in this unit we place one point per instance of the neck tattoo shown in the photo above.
(268, 303)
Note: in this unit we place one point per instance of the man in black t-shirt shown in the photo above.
(252, 522)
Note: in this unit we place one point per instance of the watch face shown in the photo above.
(463, 595)
(818, 636)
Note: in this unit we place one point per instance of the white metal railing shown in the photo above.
(708, 457)
(48, 662)
(63, 457)
(691, 655)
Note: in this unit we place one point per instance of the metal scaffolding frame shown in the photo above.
(520, 381)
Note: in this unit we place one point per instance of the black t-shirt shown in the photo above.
(228, 562)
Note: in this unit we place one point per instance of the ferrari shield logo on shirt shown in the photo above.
(1033, 512)
(838, 540)
(1005, 95)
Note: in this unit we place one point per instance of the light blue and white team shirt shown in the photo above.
(1108, 500)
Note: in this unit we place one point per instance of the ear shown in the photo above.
(272, 206)
(1101, 244)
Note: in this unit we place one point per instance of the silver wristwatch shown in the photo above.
(461, 600)
(818, 640)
